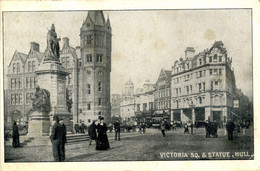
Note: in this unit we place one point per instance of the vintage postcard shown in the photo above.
(115, 86)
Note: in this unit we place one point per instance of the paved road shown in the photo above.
(148, 146)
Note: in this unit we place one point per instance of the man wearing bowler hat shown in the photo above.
(56, 139)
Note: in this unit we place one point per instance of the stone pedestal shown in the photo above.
(38, 128)
(39, 124)
(52, 77)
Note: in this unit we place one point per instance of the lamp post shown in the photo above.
(192, 116)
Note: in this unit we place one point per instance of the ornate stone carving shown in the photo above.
(41, 100)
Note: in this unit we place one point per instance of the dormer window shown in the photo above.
(220, 58)
(210, 59)
(215, 58)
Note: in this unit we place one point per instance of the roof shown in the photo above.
(22, 56)
(37, 54)
(168, 73)
(219, 45)
(97, 17)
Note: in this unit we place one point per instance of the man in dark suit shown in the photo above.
(16, 142)
(117, 130)
(56, 139)
(230, 128)
(64, 140)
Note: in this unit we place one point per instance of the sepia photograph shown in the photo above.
(139, 85)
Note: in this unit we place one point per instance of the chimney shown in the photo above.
(66, 41)
(35, 46)
(189, 52)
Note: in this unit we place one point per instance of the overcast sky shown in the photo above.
(143, 42)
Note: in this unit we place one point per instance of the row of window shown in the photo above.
(31, 67)
(162, 93)
(188, 102)
(200, 61)
(17, 99)
(65, 61)
(163, 104)
(99, 87)
(99, 113)
(16, 67)
(88, 58)
(31, 82)
(16, 83)
(199, 74)
(145, 107)
(201, 87)
(99, 39)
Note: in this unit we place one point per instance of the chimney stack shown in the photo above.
(66, 41)
(189, 52)
(35, 46)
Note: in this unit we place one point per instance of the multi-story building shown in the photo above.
(94, 68)
(88, 83)
(144, 100)
(203, 85)
(127, 105)
(21, 83)
(163, 93)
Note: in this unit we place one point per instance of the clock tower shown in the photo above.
(95, 68)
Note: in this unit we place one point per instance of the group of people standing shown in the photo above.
(80, 128)
(98, 133)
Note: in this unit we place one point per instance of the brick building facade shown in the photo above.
(203, 85)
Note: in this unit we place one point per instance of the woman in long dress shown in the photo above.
(102, 140)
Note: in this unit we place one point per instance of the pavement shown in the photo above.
(147, 146)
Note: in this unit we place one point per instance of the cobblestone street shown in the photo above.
(148, 146)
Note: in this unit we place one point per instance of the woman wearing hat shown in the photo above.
(102, 140)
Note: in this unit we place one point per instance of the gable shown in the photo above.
(17, 56)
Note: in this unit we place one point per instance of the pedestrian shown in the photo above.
(56, 139)
(215, 128)
(76, 127)
(230, 128)
(117, 130)
(186, 129)
(174, 126)
(16, 142)
(64, 139)
(92, 132)
(143, 127)
(83, 127)
(162, 127)
(102, 140)
(140, 128)
(207, 127)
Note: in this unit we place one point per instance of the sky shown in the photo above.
(145, 41)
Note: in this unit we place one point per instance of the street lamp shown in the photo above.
(192, 115)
